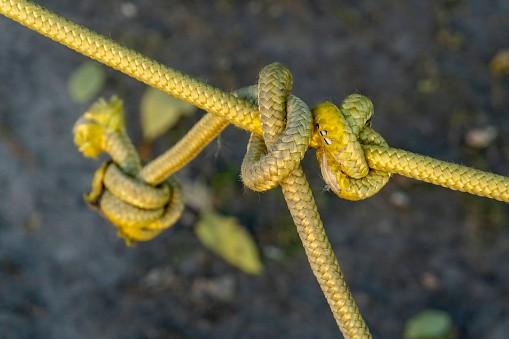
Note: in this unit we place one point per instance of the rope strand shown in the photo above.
(240, 112)
(354, 159)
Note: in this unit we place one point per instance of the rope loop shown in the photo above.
(140, 211)
(340, 134)
(355, 161)
(287, 131)
(287, 126)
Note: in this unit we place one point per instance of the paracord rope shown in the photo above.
(239, 112)
(355, 161)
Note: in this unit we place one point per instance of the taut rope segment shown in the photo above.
(355, 161)
(238, 111)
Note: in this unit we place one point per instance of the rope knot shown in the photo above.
(139, 210)
(286, 124)
(339, 135)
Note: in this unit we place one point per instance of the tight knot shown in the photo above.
(286, 124)
(339, 135)
(138, 209)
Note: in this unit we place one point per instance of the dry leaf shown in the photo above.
(160, 112)
(481, 137)
(86, 82)
(227, 238)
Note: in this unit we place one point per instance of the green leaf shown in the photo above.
(160, 112)
(227, 238)
(86, 81)
(429, 324)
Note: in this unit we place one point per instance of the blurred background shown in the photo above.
(416, 256)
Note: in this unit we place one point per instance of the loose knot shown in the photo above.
(286, 124)
(138, 209)
(339, 135)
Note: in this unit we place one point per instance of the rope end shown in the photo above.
(102, 117)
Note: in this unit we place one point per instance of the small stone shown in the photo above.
(129, 10)
(399, 199)
(481, 137)
(159, 278)
(220, 288)
(273, 252)
(430, 281)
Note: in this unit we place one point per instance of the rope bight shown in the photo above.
(355, 161)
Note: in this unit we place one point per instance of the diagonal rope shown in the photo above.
(354, 159)
(239, 112)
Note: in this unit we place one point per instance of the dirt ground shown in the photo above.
(425, 65)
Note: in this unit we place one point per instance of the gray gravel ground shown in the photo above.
(65, 274)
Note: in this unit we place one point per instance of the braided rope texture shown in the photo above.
(140, 210)
(287, 128)
(102, 49)
(186, 149)
(355, 161)
(433, 171)
(341, 157)
(238, 111)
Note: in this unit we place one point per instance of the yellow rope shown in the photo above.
(239, 112)
(140, 210)
(275, 159)
(355, 160)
